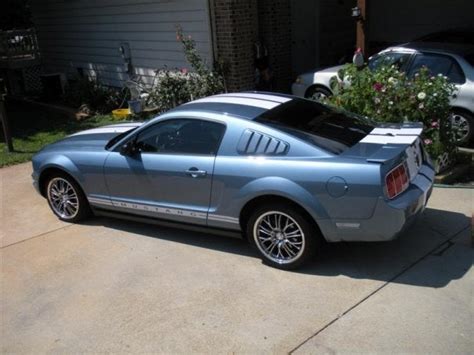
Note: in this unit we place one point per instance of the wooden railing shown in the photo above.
(18, 44)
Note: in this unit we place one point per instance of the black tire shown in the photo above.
(317, 93)
(465, 121)
(71, 198)
(283, 239)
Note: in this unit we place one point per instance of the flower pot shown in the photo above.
(121, 113)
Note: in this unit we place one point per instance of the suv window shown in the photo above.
(317, 124)
(389, 58)
(182, 136)
(438, 64)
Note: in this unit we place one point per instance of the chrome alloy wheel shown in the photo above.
(63, 198)
(279, 237)
(461, 126)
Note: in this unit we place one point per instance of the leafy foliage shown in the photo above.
(389, 95)
(33, 127)
(91, 93)
(178, 86)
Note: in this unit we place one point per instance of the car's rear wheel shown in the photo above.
(318, 93)
(283, 236)
(463, 124)
(66, 199)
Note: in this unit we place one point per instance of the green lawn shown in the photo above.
(34, 127)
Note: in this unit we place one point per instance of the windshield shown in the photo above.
(114, 140)
(388, 59)
(319, 125)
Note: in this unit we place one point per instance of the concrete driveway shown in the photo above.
(115, 286)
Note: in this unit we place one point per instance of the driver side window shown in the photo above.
(182, 136)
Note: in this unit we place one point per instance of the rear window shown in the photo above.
(319, 125)
(470, 58)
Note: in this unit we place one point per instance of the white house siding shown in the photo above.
(86, 34)
(405, 20)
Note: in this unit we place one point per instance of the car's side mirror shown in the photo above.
(129, 148)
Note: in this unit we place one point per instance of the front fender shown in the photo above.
(61, 162)
(278, 186)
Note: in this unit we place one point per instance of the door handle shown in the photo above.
(195, 172)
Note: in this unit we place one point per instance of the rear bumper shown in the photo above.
(390, 218)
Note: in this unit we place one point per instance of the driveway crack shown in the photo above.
(36, 236)
(440, 248)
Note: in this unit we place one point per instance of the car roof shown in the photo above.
(246, 105)
(448, 48)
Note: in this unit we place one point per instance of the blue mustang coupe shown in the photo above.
(285, 172)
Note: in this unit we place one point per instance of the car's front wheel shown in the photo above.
(66, 199)
(283, 236)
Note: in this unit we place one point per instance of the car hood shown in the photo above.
(331, 70)
(92, 139)
(327, 71)
(322, 76)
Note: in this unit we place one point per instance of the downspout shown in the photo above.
(212, 29)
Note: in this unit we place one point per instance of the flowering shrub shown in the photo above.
(177, 86)
(388, 95)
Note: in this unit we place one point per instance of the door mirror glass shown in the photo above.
(129, 148)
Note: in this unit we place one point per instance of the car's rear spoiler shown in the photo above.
(386, 153)
(395, 140)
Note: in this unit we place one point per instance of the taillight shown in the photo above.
(396, 181)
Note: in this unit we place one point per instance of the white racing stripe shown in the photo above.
(397, 132)
(248, 95)
(226, 219)
(239, 101)
(389, 139)
(160, 211)
(120, 128)
(392, 136)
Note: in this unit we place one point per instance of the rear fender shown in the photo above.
(278, 186)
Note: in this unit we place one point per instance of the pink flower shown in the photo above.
(178, 38)
(184, 70)
(378, 86)
(435, 124)
(428, 141)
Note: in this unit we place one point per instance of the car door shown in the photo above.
(168, 173)
(438, 64)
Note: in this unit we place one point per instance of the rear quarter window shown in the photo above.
(322, 126)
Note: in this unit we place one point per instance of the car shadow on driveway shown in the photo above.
(428, 237)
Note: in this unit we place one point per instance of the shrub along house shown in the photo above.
(110, 39)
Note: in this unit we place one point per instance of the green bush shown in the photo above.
(388, 95)
(177, 86)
